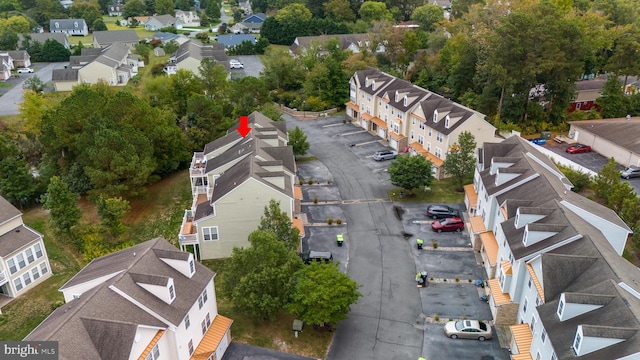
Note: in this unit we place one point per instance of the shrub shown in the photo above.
(301, 181)
(436, 317)
(579, 179)
(330, 221)
(57, 304)
(315, 200)
(470, 280)
(444, 280)
(434, 244)
(457, 279)
(310, 182)
(339, 221)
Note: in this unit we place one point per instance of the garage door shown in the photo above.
(394, 144)
(363, 123)
(381, 133)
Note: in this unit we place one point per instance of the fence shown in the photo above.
(301, 114)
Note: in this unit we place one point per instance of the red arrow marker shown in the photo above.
(244, 128)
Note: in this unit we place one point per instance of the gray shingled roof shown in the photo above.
(16, 239)
(7, 210)
(66, 24)
(101, 320)
(43, 37)
(621, 132)
(345, 40)
(113, 36)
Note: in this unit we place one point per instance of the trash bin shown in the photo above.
(339, 239)
(419, 242)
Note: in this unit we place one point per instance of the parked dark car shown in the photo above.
(318, 256)
(578, 148)
(538, 141)
(441, 212)
(448, 224)
(630, 172)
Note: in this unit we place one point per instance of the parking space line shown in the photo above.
(331, 125)
(353, 132)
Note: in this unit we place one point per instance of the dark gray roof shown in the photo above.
(345, 40)
(197, 50)
(235, 39)
(90, 51)
(113, 36)
(242, 149)
(163, 36)
(230, 137)
(43, 37)
(109, 316)
(16, 239)
(7, 210)
(380, 78)
(621, 132)
(164, 19)
(65, 24)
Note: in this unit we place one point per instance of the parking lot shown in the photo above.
(394, 319)
(252, 66)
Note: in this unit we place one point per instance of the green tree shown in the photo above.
(618, 194)
(612, 100)
(62, 204)
(133, 8)
(323, 294)
(410, 172)
(293, 14)
(298, 140)
(17, 184)
(111, 212)
(213, 10)
(427, 16)
(143, 49)
(99, 25)
(278, 222)
(339, 11)
(461, 160)
(34, 84)
(170, 47)
(165, 7)
(259, 280)
(606, 179)
(374, 11)
(89, 11)
(53, 51)
(8, 40)
(281, 70)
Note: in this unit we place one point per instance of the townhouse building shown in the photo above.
(553, 259)
(23, 257)
(232, 180)
(150, 301)
(411, 118)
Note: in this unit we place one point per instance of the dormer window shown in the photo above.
(57, 24)
(373, 85)
(560, 307)
(576, 343)
(172, 294)
(405, 100)
(192, 266)
(397, 96)
(446, 121)
(435, 116)
(75, 23)
(366, 81)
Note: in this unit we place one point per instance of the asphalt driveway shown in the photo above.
(12, 97)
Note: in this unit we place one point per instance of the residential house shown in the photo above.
(232, 180)
(165, 37)
(613, 138)
(114, 9)
(188, 18)
(73, 27)
(587, 91)
(114, 65)
(191, 53)
(255, 18)
(102, 39)
(66, 3)
(149, 301)
(553, 259)
(137, 19)
(42, 38)
(354, 42)
(23, 258)
(411, 118)
(232, 40)
(158, 22)
(20, 58)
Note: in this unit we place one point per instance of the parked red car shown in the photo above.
(448, 224)
(578, 148)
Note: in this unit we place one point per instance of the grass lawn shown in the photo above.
(442, 191)
(274, 334)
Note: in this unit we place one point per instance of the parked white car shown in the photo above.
(25, 70)
(235, 64)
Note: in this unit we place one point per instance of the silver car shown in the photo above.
(385, 155)
(468, 329)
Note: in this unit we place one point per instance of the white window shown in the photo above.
(43, 268)
(412, 134)
(553, 356)
(12, 266)
(560, 307)
(18, 283)
(438, 152)
(544, 335)
(429, 132)
(577, 106)
(190, 347)
(379, 102)
(369, 98)
(386, 106)
(156, 352)
(21, 262)
(392, 111)
(187, 322)
(38, 251)
(405, 100)
(413, 120)
(420, 139)
(428, 146)
(30, 255)
(396, 128)
(538, 356)
(210, 233)
(446, 122)
(397, 96)
(532, 326)
(435, 116)
(208, 319)
(200, 303)
(576, 343)
(172, 293)
(204, 296)
(438, 136)
(27, 279)
(400, 114)
(35, 273)
(192, 266)
(421, 125)
(529, 283)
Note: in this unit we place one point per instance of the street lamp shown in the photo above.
(303, 112)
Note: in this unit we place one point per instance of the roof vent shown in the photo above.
(134, 253)
(17, 230)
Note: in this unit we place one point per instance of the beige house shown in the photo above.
(191, 53)
(114, 65)
(411, 118)
(188, 18)
(149, 301)
(232, 180)
(613, 138)
(23, 258)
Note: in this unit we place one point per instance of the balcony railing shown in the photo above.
(4, 277)
(188, 234)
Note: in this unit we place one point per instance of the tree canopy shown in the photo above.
(460, 162)
(410, 172)
(278, 222)
(298, 140)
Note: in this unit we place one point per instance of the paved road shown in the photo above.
(381, 324)
(11, 100)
